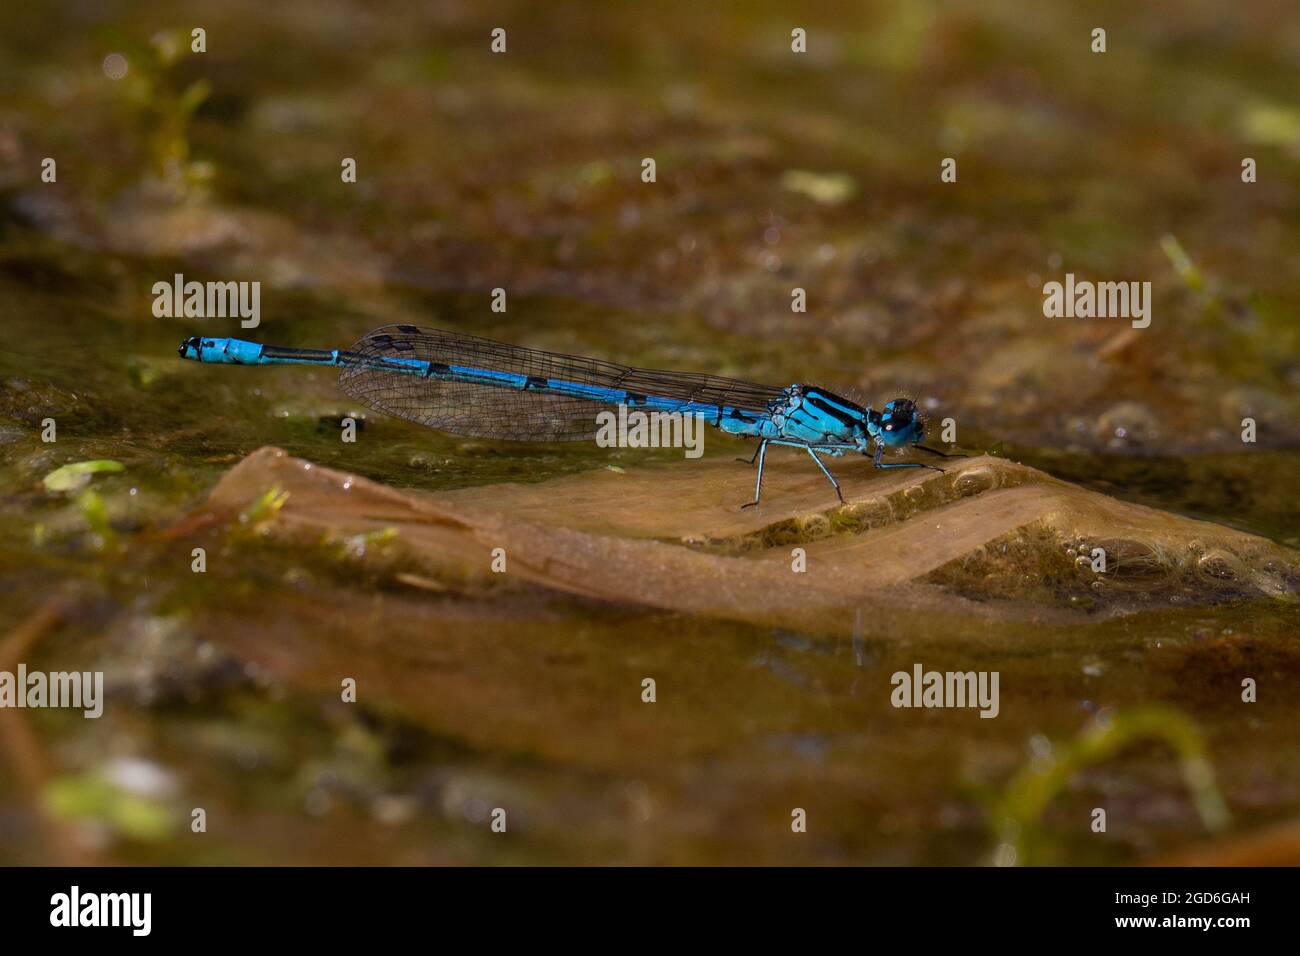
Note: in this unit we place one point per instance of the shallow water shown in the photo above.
(224, 686)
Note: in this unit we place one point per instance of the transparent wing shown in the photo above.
(498, 411)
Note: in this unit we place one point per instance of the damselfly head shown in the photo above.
(898, 423)
(190, 348)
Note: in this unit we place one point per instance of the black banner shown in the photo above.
(330, 906)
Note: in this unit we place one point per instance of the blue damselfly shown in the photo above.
(473, 386)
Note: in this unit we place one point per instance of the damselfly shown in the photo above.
(473, 386)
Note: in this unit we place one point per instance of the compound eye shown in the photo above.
(897, 414)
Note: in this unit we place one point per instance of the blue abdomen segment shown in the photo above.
(218, 351)
(735, 421)
(555, 386)
(222, 351)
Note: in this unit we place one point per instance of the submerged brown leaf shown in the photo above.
(987, 540)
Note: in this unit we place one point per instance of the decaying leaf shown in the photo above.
(907, 544)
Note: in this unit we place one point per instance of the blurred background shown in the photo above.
(522, 170)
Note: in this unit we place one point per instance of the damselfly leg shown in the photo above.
(941, 454)
(880, 450)
(761, 454)
(829, 477)
(758, 488)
